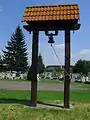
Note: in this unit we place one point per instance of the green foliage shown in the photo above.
(88, 65)
(1, 65)
(29, 74)
(41, 66)
(54, 69)
(81, 67)
(15, 56)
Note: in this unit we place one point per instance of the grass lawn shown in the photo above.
(21, 112)
(13, 106)
(77, 96)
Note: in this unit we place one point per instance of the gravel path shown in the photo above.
(12, 85)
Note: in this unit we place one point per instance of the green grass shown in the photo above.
(78, 96)
(12, 106)
(20, 112)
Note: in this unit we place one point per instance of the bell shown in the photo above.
(51, 39)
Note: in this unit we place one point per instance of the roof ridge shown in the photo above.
(53, 5)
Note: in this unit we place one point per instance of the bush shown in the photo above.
(29, 74)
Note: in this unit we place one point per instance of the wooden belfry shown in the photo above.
(54, 18)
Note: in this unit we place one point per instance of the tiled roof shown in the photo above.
(53, 12)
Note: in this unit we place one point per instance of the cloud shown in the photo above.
(58, 55)
(49, 56)
(85, 52)
(60, 50)
(61, 46)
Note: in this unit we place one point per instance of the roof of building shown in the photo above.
(52, 12)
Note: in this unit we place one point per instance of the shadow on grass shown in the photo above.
(27, 102)
(51, 105)
(18, 101)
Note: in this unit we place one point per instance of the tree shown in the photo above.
(81, 67)
(88, 65)
(41, 66)
(1, 63)
(29, 74)
(15, 56)
(54, 69)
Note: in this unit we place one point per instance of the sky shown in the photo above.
(11, 13)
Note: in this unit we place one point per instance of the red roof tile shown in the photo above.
(53, 12)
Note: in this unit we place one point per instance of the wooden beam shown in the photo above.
(67, 69)
(53, 26)
(34, 68)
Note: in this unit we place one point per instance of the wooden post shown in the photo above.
(67, 69)
(34, 68)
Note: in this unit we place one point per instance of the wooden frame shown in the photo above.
(53, 25)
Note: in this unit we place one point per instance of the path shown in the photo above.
(13, 85)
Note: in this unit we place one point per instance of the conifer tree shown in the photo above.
(15, 56)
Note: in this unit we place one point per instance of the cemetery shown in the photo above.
(43, 76)
(12, 76)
